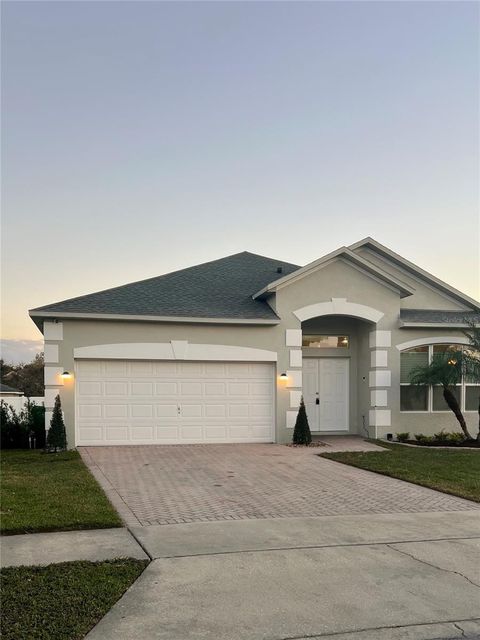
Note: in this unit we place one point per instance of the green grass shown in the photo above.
(62, 601)
(454, 472)
(51, 492)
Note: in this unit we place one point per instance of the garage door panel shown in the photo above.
(173, 402)
(142, 410)
(142, 432)
(142, 389)
(141, 369)
(117, 433)
(90, 388)
(167, 432)
(191, 389)
(115, 411)
(115, 369)
(166, 410)
(90, 411)
(116, 389)
(166, 389)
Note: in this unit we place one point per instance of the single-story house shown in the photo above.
(224, 351)
(9, 392)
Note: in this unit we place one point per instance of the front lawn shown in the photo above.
(455, 472)
(51, 492)
(62, 601)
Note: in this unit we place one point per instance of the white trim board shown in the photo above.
(338, 306)
(419, 342)
(174, 350)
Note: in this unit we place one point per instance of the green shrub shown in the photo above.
(441, 437)
(56, 437)
(13, 428)
(455, 437)
(301, 432)
(423, 439)
(403, 436)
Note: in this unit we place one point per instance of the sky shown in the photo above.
(143, 137)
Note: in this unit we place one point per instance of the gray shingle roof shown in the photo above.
(218, 289)
(4, 388)
(437, 316)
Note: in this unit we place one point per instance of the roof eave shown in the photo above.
(371, 243)
(432, 325)
(41, 315)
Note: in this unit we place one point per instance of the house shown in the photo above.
(9, 392)
(223, 351)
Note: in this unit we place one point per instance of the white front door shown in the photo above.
(325, 393)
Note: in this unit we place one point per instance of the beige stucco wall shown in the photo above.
(336, 280)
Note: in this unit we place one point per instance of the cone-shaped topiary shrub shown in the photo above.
(57, 437)
(301, 433)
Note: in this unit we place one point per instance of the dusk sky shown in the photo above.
(144, 137)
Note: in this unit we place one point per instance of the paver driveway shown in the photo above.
(172, 484)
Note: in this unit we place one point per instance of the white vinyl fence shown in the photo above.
(18, 402)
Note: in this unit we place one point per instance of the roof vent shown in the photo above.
(279, 269)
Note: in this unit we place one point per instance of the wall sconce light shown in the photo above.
(66, 375)
(283, 376)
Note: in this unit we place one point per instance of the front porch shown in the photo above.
(335, 374)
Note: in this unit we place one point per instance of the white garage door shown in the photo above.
(163, 402)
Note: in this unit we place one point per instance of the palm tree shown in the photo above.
(471, 359)
(445, 369)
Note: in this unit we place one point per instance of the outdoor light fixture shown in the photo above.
(66, 375)
(452, 362)
(283, 376)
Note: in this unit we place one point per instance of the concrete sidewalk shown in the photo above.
(65, 546)
(383, 577)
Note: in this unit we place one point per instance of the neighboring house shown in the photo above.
(9, 392)
(223, 351)
(15, 398)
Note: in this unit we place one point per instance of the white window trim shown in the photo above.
(430, 343)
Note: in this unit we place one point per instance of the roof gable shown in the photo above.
(217, 289)
(397, 260)
(345, 254)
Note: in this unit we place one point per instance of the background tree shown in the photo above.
(301, 432)
(57, 437)
(445, 369)
(25, 377)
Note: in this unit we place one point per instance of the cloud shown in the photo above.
(16, 351)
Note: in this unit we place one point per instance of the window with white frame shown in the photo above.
(430, 399)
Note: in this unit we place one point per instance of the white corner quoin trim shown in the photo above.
(340, 307)
(380, 339)
(52, 330)
(419, 342)
(174, 350)
(293, 337)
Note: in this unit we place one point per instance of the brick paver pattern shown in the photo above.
(191, 483)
